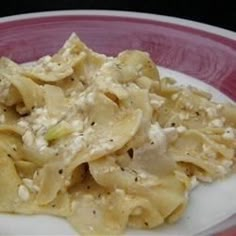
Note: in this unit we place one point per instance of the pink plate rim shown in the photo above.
(149, 16)
(200, 50)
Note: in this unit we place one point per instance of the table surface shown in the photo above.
(217, 13)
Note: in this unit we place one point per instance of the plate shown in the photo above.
(194, 53)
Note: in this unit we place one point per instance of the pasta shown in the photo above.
(105, 142)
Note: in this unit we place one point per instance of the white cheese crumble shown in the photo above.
(156, 101)
(36, 126)
(158, 136)
(46, 64)
(21, 109)
(108, 64)
(67, 183)
(181, 129)
(119, 191)
(188, 105)
(156, 104)
(28, 138)
(183, 116)
(171, 133)
(216, 123)
(219, 106)
(90, 98)
(41, 143)
(224, 167)
(229, 134)
(24, 124)
(23, 193)
(27, 182)
(45, 59)
(85, 98)
(211, 112)
(208, 151)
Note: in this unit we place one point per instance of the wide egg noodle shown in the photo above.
(30, 92)
(64, 63)
(188, 149)
(138, 98)
(165, 194)
(9, 181)
(13, 170)
(97, 210)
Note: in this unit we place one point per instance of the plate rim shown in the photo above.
(117, 13)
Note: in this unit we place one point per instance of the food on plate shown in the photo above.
(104, 141)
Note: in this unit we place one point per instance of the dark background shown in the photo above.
(219, 13)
